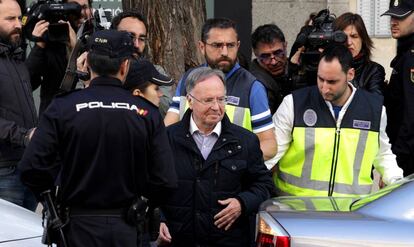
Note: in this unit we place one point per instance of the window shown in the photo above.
(377, 26)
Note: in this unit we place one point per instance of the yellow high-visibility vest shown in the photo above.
(324, 160)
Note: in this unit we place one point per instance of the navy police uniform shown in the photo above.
(398, 96)
(113, 147)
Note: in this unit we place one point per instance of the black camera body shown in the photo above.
(52, 12)
(317, 36)
(323, 32)
(313, 38)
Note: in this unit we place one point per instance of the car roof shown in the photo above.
(380, 201)
(18, 223)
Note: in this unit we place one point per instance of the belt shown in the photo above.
(74, 211)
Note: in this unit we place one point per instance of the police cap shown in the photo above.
(141, 71)
(111, 43)
(400, 8)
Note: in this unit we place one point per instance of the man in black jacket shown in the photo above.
(398, 96)
(17, 110)
(270, 64)
(113, 147)
(221, 173)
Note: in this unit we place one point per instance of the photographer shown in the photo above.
(48, 59)
(114, 149)
(308, 46)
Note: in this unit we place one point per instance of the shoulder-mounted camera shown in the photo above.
(318, 35)
(52, 12)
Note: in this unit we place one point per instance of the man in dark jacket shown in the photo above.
(270, 64)
(17, 110)
(221, 173)
(48, 59)
(113, 147)
(398, 96)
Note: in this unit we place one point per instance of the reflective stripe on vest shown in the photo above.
(306, 167)
(237, 115)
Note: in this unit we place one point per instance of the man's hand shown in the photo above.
(226, 217)
(82, 65)
(40, 28)
(295, 59)
(164, 237)
(72, 35)
(81, 62)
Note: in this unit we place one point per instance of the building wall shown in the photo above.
(289, 15)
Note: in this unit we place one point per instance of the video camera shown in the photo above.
(317, 36)
(51, 11)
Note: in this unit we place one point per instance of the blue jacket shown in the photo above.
(234, 168)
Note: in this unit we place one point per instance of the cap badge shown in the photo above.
(101, 40)
(396, 3)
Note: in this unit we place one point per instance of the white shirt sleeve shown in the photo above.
(283, 121)
(385, 162)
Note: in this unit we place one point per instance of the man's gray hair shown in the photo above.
(200, 74)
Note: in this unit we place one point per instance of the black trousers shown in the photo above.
(99, 231)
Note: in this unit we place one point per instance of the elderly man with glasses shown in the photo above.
(270, 64)
(221, 173)
(247, 104)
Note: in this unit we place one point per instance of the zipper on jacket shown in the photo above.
(334, 161)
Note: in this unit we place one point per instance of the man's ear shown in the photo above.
(123, 71)
(350, 75)
(202, 47)
(137, 92)
(190, 101)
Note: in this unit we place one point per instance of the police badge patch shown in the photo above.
(233, 100)
(310, 117)
(361, 124)
(412, 75)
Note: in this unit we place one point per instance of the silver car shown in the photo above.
(19, 227)
(384, 218)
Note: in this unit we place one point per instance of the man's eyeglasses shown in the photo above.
(139, 39)
(267, 57)
(211, 101)
(220, 45)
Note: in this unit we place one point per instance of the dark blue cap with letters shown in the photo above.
(112, 43)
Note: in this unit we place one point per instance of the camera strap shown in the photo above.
(70, 74)
(68, 82)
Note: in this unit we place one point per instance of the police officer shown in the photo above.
(332, 134)
(113, 148)
(400, 91)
